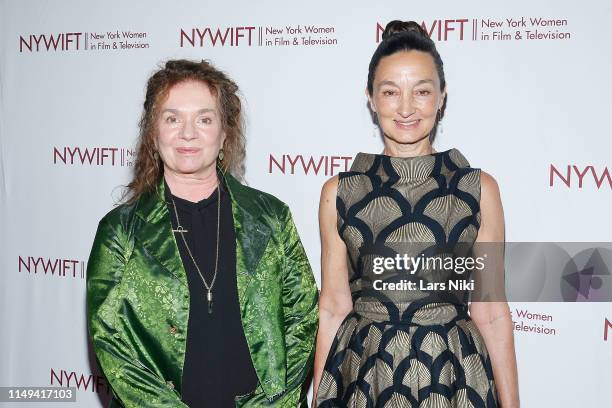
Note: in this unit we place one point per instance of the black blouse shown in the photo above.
(218, 365)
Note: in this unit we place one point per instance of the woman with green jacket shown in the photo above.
(199, 292)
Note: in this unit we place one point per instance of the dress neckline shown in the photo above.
(410, 168)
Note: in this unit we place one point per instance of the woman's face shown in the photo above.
(190, 133)
(406, 96)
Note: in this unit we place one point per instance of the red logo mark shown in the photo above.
(52, 266)
(99, 156)
(439, 30)
(572, 171)
(91, 382)
(207, 36)
(50, 42)
(326, 165)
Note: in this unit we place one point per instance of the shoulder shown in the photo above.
(113, 240)
(492, 213)
(119, 213)
(257, 200)
(490, 200)
(119, 220)
(330, 188)
(328, 201)
(489, 188)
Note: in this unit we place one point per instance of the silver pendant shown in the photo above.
(209, 298)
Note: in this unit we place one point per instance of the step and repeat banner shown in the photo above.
(528, 85)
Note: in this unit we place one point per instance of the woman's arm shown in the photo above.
(335, 301)
(133, 384)
(493, 317)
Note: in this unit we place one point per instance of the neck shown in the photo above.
(420, 148)
(192, 187)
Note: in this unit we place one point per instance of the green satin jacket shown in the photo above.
(138, 301)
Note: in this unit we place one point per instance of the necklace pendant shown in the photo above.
(209, 298)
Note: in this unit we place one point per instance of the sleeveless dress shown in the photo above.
(405, 348)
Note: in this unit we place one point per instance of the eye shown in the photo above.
(423, 92)
(388, 92)
(205, 120)
(171, 119)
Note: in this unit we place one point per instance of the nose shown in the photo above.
(188, 131)
(405, 108)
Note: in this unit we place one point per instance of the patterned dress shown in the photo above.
(405, 348)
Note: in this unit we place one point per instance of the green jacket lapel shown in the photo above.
(252, 234)
(156, 234)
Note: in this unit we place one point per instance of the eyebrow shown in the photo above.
(203, 110)
(422, 81)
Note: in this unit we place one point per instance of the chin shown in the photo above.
(405, 138)
(189, 169)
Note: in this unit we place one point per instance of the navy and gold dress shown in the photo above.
(405, 348)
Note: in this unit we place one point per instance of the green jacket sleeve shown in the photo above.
(300, 306)
(132, 382)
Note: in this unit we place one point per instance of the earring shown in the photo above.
(375, 131)
(440, 127)
(221, 155)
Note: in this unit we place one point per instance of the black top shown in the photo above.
(218, 365)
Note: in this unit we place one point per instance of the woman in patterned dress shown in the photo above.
(407, 349)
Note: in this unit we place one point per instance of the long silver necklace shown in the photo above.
(181, 230)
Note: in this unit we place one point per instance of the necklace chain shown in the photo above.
(181, 230)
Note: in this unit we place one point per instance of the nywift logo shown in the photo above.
(93, 156)
(442, 29)
(69, 41)
(57, 267)
(83, 382)
(574, 176)
(84, 41)
(505, 29)
(297, 35)
(289, 164)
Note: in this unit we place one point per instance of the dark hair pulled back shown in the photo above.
(404, 36)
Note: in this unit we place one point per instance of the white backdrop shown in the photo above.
(526, 110)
